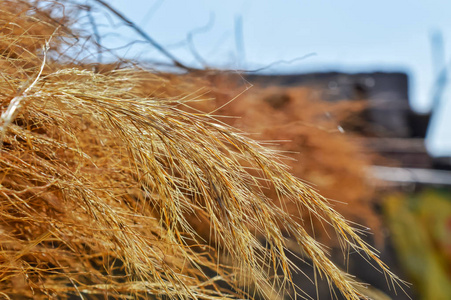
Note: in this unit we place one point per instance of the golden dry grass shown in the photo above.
(99, 184)
(308, 131)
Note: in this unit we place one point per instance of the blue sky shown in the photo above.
(345, 35)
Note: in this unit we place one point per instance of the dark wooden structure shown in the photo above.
(391, 128)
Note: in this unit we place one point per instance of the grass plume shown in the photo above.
(99, 184)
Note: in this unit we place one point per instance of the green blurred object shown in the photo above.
(420, 226)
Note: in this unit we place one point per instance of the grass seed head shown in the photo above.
(99, 183)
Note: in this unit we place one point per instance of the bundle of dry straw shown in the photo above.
(99, 184)
(308, 130)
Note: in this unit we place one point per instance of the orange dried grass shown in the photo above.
(310, 135)
(98, 185)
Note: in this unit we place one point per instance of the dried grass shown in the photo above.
(308, 131)
(99, 184)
